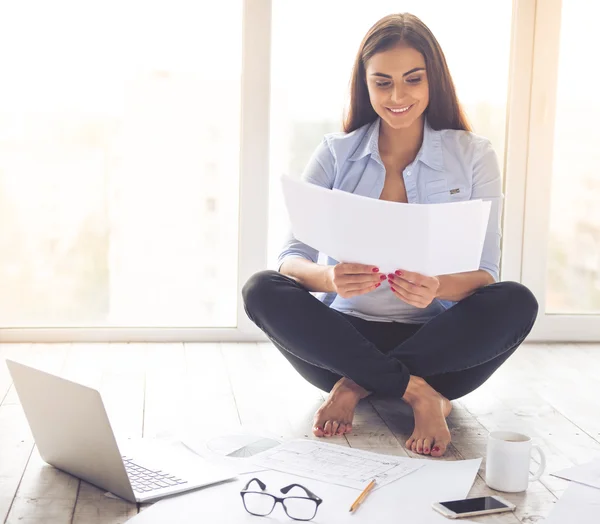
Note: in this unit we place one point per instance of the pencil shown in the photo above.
(362, 496)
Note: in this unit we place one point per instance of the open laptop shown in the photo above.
(72, 432)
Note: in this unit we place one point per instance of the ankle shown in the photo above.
(349, 385)
(416, 390)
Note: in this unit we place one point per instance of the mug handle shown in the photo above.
(542, 467)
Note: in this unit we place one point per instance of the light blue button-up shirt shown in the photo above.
(450, 166)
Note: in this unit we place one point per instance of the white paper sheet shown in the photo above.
(408, 499)
(218, 448)
(588, 474)
(431, 239)
(341, 465)
(579, 504)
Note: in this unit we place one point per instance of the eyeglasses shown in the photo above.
(261, 503)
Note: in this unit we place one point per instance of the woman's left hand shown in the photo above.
(413, 288)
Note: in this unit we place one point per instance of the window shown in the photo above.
(573, 277)
(119, 155)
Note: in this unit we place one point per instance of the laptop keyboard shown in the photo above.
(144, 480)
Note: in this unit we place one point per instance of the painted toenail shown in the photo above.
(436, 448)
(426, 450)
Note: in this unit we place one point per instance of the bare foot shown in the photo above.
(335, 416)
(431, 434)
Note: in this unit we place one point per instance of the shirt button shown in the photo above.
(408, 173)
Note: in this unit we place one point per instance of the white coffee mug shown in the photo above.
(508, 458)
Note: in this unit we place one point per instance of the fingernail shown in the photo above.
(390, 276)
(378, 284)
(382, 277)
(375, 270)
(399, 273)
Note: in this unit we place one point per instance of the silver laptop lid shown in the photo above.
(71, 428)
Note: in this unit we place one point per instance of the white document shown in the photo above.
(431, 239)
(234, 450)
(341, 465)
(408, 499)
(588, 474)
(579, 504)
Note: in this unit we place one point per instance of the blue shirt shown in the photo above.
(450, 166)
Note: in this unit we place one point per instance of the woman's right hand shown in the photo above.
(349, 280)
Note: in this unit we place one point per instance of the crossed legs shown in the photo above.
(427, 365)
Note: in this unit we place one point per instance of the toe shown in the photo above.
(427, 446)
(413, 447)
(348, 428)
(318, 431)
(439, 449)
(341, 429)
(327, 429)
(420, 446)
(334, 427)
(409, 443)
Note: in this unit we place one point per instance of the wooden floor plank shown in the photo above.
(260, 405)
(11, 351)
(40, 491)
(165, 405)
(301, 399)
(210, 402)
(16, 445)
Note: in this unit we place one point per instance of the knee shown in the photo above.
(519, 302)
(258, 289)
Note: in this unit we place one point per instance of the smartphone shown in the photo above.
(457, 509)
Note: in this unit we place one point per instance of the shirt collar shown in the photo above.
(430, 153)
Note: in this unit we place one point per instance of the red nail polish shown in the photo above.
(390, 276)
(426, 450)
(375, 270)
(382, 277)
(377, 285)
(399, 273)
(436, 448)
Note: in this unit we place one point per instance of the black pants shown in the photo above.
(455, 352)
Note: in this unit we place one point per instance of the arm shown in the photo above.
(313, 276)
(461, 285)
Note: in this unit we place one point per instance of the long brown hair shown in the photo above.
(444, 110)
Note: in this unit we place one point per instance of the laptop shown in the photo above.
(72, 432)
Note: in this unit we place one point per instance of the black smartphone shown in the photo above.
(456, 509)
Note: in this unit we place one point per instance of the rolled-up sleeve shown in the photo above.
(487, 185)
(320, 170)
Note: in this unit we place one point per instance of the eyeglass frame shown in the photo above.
(284, 490)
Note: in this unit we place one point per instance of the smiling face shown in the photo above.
(398, 86)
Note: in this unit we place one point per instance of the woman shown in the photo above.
(427, 340)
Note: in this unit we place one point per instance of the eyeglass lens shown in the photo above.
(299, 508)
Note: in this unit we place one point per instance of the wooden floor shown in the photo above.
(160, 390)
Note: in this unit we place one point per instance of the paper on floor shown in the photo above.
(234, 449)
(588, 474)
(341, 465)
(408, 499)
(579, 504)
(431, 239)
